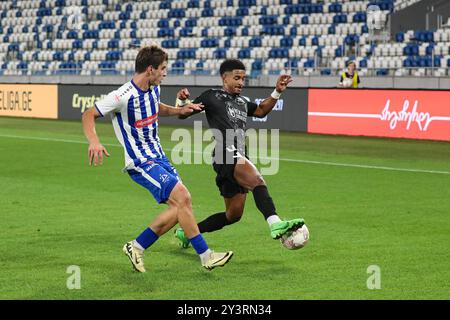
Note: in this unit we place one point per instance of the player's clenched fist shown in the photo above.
(95, 153)
(183, 94)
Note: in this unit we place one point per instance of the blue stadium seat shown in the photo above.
(335, 7)
(177, 67)
(244, 53)
(340, 18)
(309, 63)
(209, 43)
(193, 4)
(220, 53)
(287, 42)
(294, 35)
(360, 17)
(332, 29)
(184, 54)
(207, 12)
(191, 22)
(255, 42)
(279, 53)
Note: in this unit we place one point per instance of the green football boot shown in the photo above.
(183, 241)
(278, 229)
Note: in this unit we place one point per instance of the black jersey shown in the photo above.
(227, 115)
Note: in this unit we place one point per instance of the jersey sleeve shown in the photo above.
(203, 98)
(111, 103)
(359, 81)
(251, 107)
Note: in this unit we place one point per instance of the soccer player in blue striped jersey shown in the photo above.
(134, 109)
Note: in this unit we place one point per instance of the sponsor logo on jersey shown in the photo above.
(234, 113)
(146, 121)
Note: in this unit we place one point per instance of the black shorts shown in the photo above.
(225, 181)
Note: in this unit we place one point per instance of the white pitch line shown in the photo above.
(344, 115)
(326, 163)
(364, 166)
(55, 140)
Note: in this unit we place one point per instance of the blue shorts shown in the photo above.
(158, 176)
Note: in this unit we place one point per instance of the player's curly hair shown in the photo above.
(230, 65)
(150, 56)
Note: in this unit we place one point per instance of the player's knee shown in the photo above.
(258, 181)
(234, 219)
(234, 214)
(183, 198)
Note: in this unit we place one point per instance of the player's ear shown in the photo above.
(149, 70)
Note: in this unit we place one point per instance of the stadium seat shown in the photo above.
(196, 33)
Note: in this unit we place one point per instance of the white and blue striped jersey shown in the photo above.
(134, 116)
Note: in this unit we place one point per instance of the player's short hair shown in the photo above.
(351, 62)
(150, 56)
(230, 65)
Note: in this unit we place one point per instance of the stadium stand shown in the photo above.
(402, 4)
(306, 37)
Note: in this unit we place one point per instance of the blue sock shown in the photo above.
(199, 244)
(147, 238)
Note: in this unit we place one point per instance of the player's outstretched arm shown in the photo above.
(183, 102)
(168, 111)
(95, 149)
(267, 105)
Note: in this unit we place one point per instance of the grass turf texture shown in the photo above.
(56, 212)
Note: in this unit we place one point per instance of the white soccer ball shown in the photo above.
(347, 83)
(296, 239)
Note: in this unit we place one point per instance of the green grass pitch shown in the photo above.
(56, 211)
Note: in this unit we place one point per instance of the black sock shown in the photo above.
(214, 222)
(263, 201)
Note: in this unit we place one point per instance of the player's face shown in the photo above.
(351, 68)
(157, 75)
(233, 81)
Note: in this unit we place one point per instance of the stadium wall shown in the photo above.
(30, 101)
(415, 114)
(385, 82)
(290, 113)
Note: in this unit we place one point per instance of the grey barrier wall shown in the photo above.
(290, 113)
(73, 100)
(313, 81)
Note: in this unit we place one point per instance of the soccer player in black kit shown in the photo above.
(227, 111)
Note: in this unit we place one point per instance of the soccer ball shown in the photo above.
(347, 83)
(296, 239)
